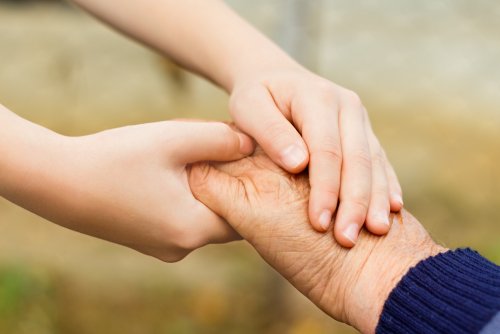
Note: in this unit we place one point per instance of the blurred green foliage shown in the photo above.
(33, 301)
(27, 303)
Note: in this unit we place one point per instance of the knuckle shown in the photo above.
(329, 146)
(352, 98)
(324, 85)
(326, 90)
(381, 193)
(359, 200)
(329, 153)
(378, 158)
(361, 158)
(329, 190)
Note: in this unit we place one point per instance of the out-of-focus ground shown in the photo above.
(427, 71)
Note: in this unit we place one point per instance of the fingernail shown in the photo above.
(351, 233)
(382, 218)
(324, 219)
(398, 199)
(246, 145)
(293, 156)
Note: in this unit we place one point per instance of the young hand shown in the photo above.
(295, 115)
(299, 117)
(126, 185)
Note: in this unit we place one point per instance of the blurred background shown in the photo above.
(427, 72)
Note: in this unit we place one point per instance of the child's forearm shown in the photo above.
(28, 156)
(113, 184)
(204, 36)
(15, 148)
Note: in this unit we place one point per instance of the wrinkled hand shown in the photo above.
(268, 208)
(298, 117)
(128, 185)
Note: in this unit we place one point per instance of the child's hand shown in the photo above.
(298, 117)
(127, 185)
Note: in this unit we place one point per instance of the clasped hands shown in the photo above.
(268, 207)
(147, 187)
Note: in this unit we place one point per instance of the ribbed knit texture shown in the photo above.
(453, 292)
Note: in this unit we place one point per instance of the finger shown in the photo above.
(395, 192)
(201, 141)
(215, 189)
(321, 132)
(256, 114)
(377, 220)
(356, 178)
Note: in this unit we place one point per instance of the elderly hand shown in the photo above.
(268, 207)
(298, 117)
(126, 185)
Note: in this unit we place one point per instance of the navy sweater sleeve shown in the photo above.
(453, 292)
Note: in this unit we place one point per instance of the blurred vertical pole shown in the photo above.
(300, 30)
(299, 35)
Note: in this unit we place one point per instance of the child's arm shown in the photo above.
(204, 36)
(126, 185)
(295, 115)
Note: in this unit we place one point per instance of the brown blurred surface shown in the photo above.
(428, 74)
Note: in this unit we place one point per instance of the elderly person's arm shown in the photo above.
(370, 287)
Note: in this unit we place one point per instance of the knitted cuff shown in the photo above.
(453, 292)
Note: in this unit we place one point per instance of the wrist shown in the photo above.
(30, 154)
(375, 266)
(244, 70)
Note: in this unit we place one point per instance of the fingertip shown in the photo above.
(325, 219)
(197, 175)
(396, 202)
(247, 144)
(321, 222)
(395, 192)
(348, 236)
(350, 217)
(378, 223)
(322, 205)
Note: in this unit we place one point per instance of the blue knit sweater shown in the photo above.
(453, 292)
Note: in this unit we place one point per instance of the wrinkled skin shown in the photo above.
(268, 207)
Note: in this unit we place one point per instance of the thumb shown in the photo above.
(202, 141)
(214, 188)
(258, 115)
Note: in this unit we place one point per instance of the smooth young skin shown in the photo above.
(297, 117)
(127, 185)
(268, 208)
